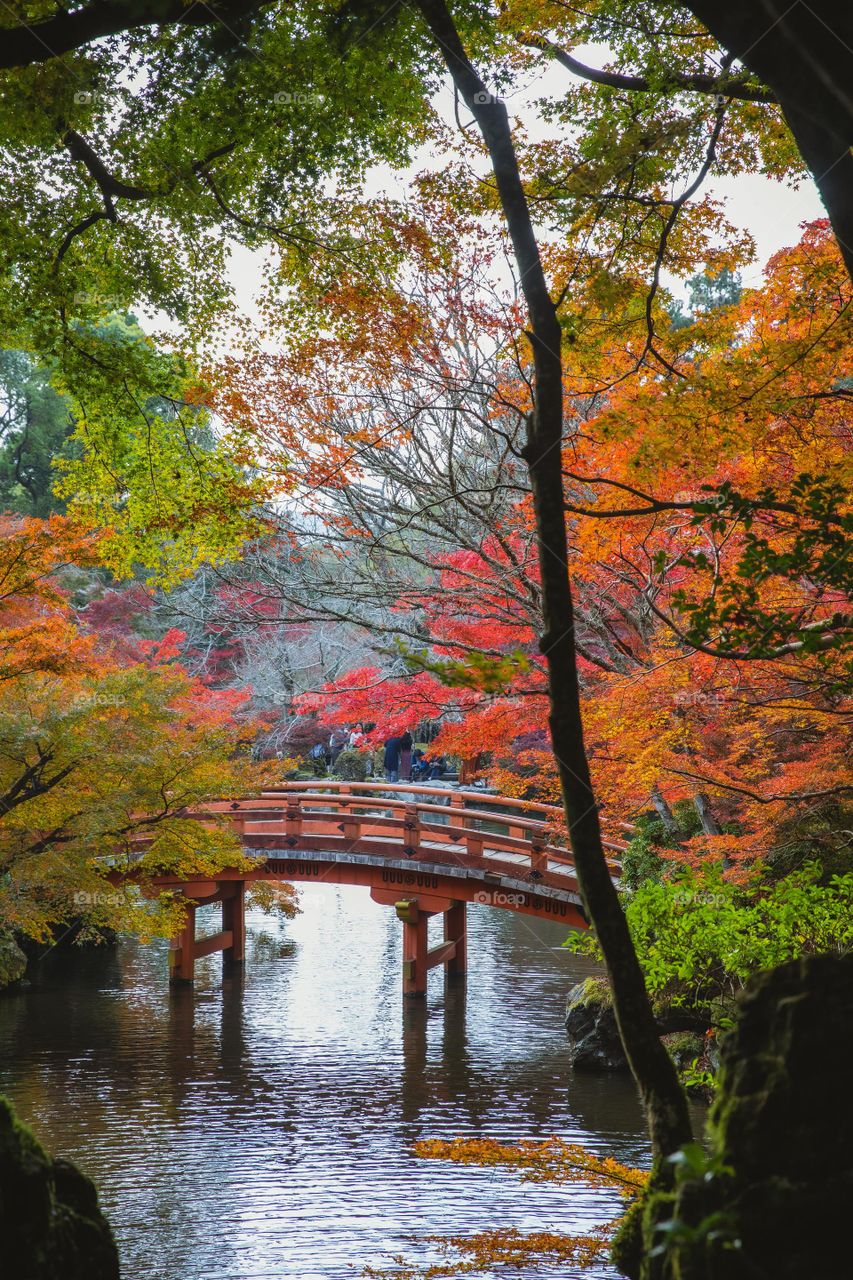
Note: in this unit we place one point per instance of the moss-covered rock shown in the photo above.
(591, 1026)
(630, 1250)
(684, 1047)
(772, 1195)
(594, 1041)
(50, 1225)
(13, 962)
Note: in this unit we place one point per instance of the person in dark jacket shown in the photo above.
(437, 766)
(406, 745)
(391, 759)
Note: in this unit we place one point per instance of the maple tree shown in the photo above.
(759, 539)
(755, 716)
(131, 194)
(102, 752)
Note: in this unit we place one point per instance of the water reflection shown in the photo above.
(261, 1124)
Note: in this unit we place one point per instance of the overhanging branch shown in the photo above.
(724, 86)
(28, 44)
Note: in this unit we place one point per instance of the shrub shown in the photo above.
(353, 766)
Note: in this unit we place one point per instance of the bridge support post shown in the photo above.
(418, 957)
(456, 931)
(182, 950)
(415, 953)
(234, 922)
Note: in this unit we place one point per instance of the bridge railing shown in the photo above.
(533, 815)
(422, 849)
(430, 823)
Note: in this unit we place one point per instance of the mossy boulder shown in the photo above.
(591, 1026)
(684, 1047)
(13, 962)
(772, 1195)
(594, 1041)
(50, 1225)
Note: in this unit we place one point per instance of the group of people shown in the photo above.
(397, 760)
(427, 768)
(346, 738)
(401, 760)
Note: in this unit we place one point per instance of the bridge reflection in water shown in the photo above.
(425, 851)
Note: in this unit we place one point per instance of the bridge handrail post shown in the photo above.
(351, 822)
(411, 828)
(538, 857)
(293, 817)
(474, 838)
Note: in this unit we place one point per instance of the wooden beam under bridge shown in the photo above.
(185, 948)
(418, 956)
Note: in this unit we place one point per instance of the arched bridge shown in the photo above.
(424, 850)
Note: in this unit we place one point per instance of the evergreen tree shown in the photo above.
(35, 425)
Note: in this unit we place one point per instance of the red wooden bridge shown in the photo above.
(423, 850)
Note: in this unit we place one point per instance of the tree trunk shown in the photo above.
(663, 1097)
(804, 52)
(664, 812)
(710, 825)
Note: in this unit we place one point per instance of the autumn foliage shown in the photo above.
(709, 550)
(104, 743)
(550, 1160)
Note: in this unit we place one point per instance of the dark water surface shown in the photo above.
(262, 1126)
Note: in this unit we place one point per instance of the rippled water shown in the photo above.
(261, 1126)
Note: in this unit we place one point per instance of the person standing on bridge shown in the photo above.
(391, 759)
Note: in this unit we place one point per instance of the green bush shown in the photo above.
(700, 937)
(645, 854)
(353, 766)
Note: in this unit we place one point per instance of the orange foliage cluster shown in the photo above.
(548, 1160)
(502, 1246)
(551, 1160)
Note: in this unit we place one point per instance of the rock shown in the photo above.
(50, 1225)
(784, 1119)
(13, 962)
(684, 1047)
(594, 1042)
(777, 1186)
(591, 1026)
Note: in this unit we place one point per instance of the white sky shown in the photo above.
(771, 211)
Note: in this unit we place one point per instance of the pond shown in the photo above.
(262, 1125)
